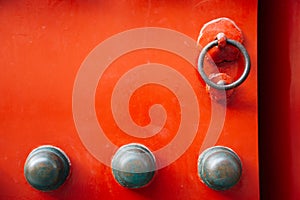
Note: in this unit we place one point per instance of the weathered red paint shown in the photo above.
(215, 94)
(43, 44)
(220, 29)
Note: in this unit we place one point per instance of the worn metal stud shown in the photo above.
(46, 168)
(133, 166)
(219, 168)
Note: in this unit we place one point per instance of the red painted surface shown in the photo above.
(43, 44)
(221, 29)
(279, 110)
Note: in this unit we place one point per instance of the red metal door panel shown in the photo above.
(46, 45)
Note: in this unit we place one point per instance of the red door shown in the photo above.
(86, 78)
(279, 109)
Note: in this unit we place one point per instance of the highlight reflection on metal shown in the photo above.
(219, 168)
(233, 84)
(133, 166)
(47, 168)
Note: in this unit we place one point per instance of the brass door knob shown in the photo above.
(219, 168)
(133, 166)
(46, 168)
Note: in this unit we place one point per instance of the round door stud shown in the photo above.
(219, 168)
(133, 166)
(47, 168)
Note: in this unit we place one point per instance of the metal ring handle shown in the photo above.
(235, 83)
